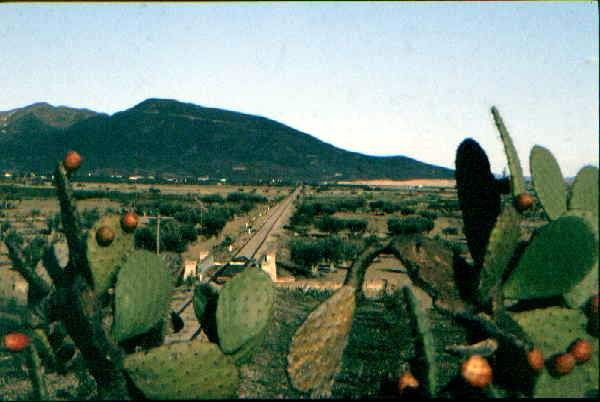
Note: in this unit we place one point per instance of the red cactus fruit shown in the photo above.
(523, 201)
(72, 161)
(16, 341)
(105, 235)
(581, 350)
(564, 363)
(535, 359)
(129, 221)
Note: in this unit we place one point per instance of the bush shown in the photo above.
(305, 252)
(330, 224)
(409, 225)
(425, 213)
(450, 230)
(246, 197)
(214, 220)
(174, 236)
(356, 225)
(212, 199)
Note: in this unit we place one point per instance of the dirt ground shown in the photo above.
(403, 183)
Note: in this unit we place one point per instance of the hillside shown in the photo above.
(170, 138)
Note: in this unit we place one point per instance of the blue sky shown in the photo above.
(405, 78)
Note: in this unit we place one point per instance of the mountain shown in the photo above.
(167, 137)
(54, 116)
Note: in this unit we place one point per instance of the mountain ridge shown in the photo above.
(167, 137)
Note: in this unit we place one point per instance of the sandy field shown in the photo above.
(403, 183)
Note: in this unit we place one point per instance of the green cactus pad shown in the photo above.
(142, 294)
(243, 354)
(202, 295)
(548, 182)
(10, 322)
(581, 293)
(317, 347)
(552, 330)
(478, 196)
(244, 308)
(558, 258)
(185, 370)
(205, 301)
(501, 247)
(517, 180)
(584, 192)
(425, 334)
(104, 261)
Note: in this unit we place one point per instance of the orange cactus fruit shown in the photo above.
(72, 161)
(535, 358)
(105, 235)
(16, 341)
(564, 363)
(407, 380)
(581, 350)
(477, 371)
(523, 201)
(129, 221)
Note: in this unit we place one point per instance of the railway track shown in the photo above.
(250, 250)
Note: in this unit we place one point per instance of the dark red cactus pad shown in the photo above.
(478, 196)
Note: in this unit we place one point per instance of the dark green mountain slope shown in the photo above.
(172, 138)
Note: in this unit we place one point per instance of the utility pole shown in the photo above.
(158, 234)
(158, 218)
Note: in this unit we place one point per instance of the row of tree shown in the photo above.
(310, 252)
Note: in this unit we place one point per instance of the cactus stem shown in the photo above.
(36, 375)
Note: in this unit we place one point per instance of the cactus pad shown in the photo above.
(557, 258)
(427, 360)
(104, 261)
(205, 301)
(517, 180)
(478, 196)
(318, 345)
(581, 293)
(548, 182)
(142, 294)
(501, 247)
(584, 192)
(186, 370)
(244, 308)
(553, 329)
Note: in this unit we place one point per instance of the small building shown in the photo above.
(269, 264)
(190, 269)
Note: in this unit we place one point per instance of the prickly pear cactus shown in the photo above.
(579, 294)
(553, 329)
(517, 180)
(142, 294)
(478, 196)
(205, 301)
(548, 182)
(584, 192)
(244, 309)
(318, 345)
(557, 258)
(185, 370)
(105, 260)
(427, 361)
(501, 247)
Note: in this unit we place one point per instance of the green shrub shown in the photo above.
(409, 225)
(450, 230)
